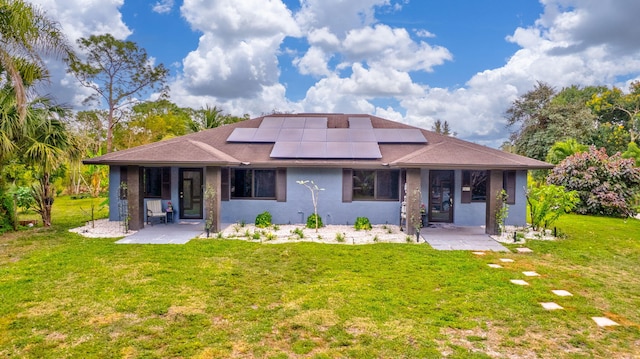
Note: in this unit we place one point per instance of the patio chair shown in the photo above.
(154, 210)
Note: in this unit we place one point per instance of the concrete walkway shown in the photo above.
(450, 237)
(171, 233)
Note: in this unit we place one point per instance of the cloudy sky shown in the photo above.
(414, 61)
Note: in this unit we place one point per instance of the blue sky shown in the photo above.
(460, 61)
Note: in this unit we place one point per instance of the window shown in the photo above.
(253, 183)
(157, 182)
(371, 185)
(509, 185)
(474, 186)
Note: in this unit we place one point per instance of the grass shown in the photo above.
(62, 295)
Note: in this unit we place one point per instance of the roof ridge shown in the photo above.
(214, 151)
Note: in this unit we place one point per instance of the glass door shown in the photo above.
(441, 196)
(190, 188)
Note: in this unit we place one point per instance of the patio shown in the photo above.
(171, 233)
(450, 237)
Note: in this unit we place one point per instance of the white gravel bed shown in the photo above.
(102, 228)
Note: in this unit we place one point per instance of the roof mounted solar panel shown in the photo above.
(285, 150)
(293, 122)
(272, 122)
(242, 135)
(315, 122)
(360, 122)
(290, 135)
(366, 150)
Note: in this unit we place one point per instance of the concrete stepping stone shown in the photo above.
(551, 306)
(506, 260)
(604, 321)
(523, 250)
(494, 265)
(519, 282)
(479, 253)
(561, 293)
(531, 274)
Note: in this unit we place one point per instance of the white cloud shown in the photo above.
(337, 15)
(162, 6)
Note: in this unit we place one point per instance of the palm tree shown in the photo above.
(45, 147)
(26, 34)
(561, 150)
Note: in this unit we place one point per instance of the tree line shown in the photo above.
(43, 142)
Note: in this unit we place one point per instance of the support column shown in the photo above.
(494, 186)
(413, 199)
(135, 198)
(213, 180)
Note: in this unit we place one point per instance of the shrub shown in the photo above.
(548, 203)
(7, 214)
(362, 223)
(314, 221)
(605, 184)
(340, 237)
(263, 220)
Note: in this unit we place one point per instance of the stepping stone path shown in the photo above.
(519, 282)
(550, 306)
(604, 321)
(561, 293)
(600, 321)
(523, 250)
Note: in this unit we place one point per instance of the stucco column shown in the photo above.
(135, 198)
(413, 199)
(213, 180)
(494, 186)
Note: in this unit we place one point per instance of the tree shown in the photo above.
(26, 34)
(563, 149)
(633, 152)
(547, 203)
(315, 192)
(617, 108)
(542, 117)
(211, 117)
(442, 128)
(606, 184)
(45, 148)
(116, 71)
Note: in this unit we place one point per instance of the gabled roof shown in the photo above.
(213, 148)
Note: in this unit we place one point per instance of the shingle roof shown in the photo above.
(210, 147)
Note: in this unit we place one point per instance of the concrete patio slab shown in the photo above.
(519, 282)
(491, 265)
(551, 306)
(172, 233)
(604, 321)
(524, 250)
(449, 237)
(506, 260)
(531, 274)
(561, 293)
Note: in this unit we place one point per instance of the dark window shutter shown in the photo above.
(347, 185)
(166, 183)
(281, 185)
(510, 186)
(224, 184)
(465, 193)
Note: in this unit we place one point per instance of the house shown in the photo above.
(368, 167)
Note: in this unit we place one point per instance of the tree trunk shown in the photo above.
(47, 201)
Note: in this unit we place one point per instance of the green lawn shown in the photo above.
(62, 295)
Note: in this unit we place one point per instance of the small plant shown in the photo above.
(219, 235)
(376, 239)
(315, 191)
(319, 237)
(314, 221)
(256, 235)
(362, 223)
(263, 220)
(236, 228)
(408, 239)
(389, 230)
(340, 237)
(243, 223)
(270, 236)
(503, 211)
(276, 227)
(298, 232)
(247, 233)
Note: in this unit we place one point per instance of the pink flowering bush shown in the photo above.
(605, 184)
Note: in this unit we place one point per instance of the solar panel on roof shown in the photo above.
(312, 150)
(272, 122)
(315, 122)
(314, 135)
(285, 149)
(338, 135)
(339, 150)
(290, 134)
(360, 122)
(266, 134)
(293, 122)
(366, 150)
(362, 135)
(242, 135)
